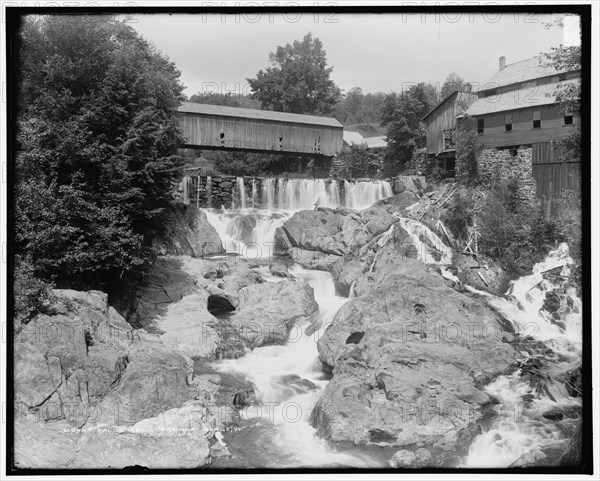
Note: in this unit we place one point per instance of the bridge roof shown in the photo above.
(222, 111)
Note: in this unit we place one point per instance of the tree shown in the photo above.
(566, 59)
(468, 147)
(97, 143)
(358, 161)
(299, 80)
(452, 83)
(401, 114)
(229, 100)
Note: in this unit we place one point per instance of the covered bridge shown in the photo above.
(235, 129)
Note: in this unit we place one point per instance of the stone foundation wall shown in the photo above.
(492, 163)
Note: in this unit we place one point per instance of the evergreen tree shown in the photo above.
(97, 143)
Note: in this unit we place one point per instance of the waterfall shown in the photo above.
(254, 193)
(241, 189)
(208, 191)
(360, 195)
(516, 429)
(278, 200)
(280, 193)
(520, 427)
(428, 244)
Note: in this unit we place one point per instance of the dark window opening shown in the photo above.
(449, 139)
(222, 135)
(480, 126)
(568, 119)
(537, 124)
(508, 123)
(508, 127)
(537, 119)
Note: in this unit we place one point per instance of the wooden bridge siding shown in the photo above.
(553, 173)
(523, 133)
(260, 135)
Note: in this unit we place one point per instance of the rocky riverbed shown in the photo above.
(385, 351)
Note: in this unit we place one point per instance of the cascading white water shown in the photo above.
(241, 192)
(278, 201)
(520, 427)
(426, 250)
(360, 195)
(254, 193)
(293, 438)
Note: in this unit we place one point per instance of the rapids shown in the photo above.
(284, 435)
(292, 441)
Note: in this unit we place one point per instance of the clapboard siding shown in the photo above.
(204, 131)
(552, 127)
(443, 117)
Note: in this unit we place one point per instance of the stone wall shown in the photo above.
(492, 163)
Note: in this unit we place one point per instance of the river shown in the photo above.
(280, 435)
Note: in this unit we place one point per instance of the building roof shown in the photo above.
(522, 71)
(220, 110)
(518, 99)
(453, 94)
(353, 138)
(375, 142)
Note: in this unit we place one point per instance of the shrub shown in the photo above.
(459, 215)
(31, 295)
(358, 161)
(468, 147)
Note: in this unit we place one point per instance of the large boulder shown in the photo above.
(175, 439)
(267, 312)
(397, 203)
(86, 368)
(409, 357)
(173, 305)
(346, 271)
(187, 232)
(331, 231)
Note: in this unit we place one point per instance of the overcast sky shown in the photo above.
(378, 52)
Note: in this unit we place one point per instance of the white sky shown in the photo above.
(378, 52)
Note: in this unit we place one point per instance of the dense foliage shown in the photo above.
(401, 114)
(358, 161)
(468, 147)
(355, 107)
(453, 83)
(566, 59)
(298, 81)
(227, 99)
(514, 232)
(97, 142)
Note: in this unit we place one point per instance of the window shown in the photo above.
(508, 122)
(448, 139)
(480, 126)
(537, 119)
(569, 119)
